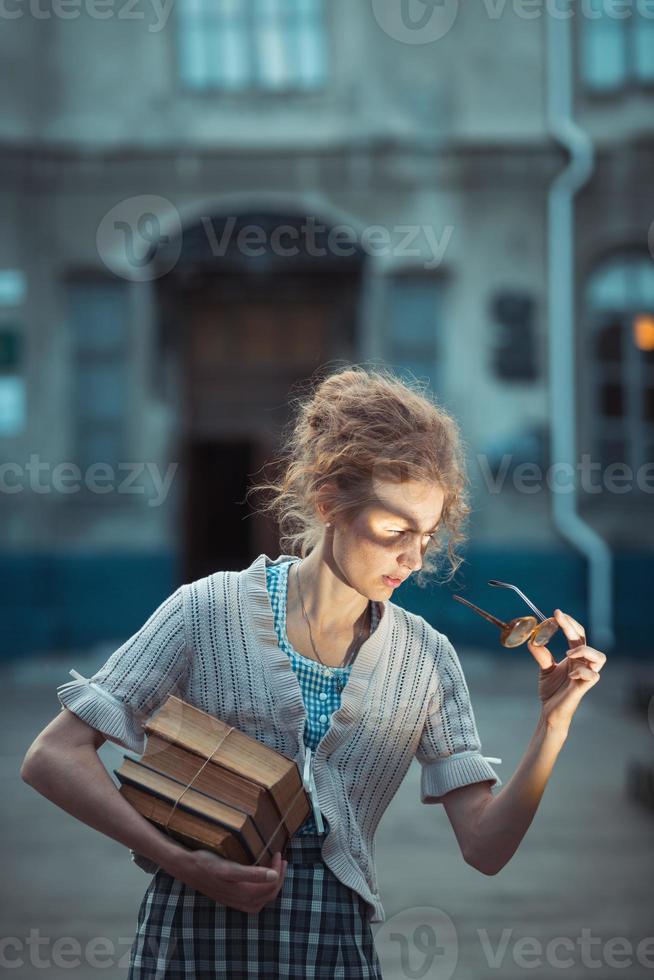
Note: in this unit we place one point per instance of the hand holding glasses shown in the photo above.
(521, 629)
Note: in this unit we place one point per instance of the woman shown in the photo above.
(309, 654)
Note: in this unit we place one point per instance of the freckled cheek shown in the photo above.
(375, 560)
(371, 555)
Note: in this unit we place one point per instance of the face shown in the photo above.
(387, 540)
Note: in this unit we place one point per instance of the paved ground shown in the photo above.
(585, 870)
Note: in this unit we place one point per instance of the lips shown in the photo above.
(394, 581)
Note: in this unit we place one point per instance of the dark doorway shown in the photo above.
(217, 534)
(243, 330)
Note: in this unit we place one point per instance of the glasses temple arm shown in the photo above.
(505, 585)
(491, 619)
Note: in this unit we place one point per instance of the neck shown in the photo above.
(332, 605)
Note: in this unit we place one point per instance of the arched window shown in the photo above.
(620, 302)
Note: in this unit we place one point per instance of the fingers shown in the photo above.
(282, 875)
(267, 891)
(279, 865)
(592, 659)
(542, 656)
(584, 673)
(573, 630)
(574, 622)
(254, 874)
(595, 658)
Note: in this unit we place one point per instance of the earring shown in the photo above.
(328, 524)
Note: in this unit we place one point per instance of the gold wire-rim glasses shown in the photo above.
(522, 628)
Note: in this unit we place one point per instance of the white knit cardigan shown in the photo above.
(213, 643)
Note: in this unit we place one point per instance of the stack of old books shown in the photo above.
(211, 786)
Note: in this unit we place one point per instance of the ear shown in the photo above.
(324, 501)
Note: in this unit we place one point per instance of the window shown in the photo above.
(515, 356)
(272, 45)
(414, 313)
(620, 300)
(99, 317)
(13, 290)
(12, 404)
(617, 45)
(13, 287)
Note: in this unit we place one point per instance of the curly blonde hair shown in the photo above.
(357, 426)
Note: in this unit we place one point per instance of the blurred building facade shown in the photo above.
(203, 203)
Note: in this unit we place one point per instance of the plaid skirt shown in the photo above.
(316, 927)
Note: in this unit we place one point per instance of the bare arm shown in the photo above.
(62, 764)
(490, 828)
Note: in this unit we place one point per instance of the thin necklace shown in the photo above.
(352, 652)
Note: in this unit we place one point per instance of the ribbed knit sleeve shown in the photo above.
(449, 751)
(136, 679)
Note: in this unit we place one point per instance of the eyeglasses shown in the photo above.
(521, 629)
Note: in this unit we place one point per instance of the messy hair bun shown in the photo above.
(354, 427)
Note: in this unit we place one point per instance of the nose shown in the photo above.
(412, 557)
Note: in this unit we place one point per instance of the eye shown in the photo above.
(430, 536)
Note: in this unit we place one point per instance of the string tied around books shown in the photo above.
(284, 815)
(308, 782)
(206, 761)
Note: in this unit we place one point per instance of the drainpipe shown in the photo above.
(561, 306)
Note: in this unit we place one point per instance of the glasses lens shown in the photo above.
(545, 632)
(521, 629)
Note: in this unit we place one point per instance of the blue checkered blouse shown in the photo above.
(320, 691)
